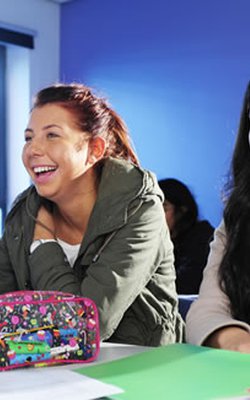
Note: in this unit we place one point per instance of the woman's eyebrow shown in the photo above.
(51, 126)
(28, 130)
(44, 128)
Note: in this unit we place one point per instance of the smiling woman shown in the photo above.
(92, 223)
(58, 155)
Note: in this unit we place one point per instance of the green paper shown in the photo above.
(177, 371)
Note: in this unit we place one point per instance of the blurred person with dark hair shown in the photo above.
(190, 236)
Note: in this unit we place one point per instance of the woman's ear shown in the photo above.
(97, 147)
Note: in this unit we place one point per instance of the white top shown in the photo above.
(70, 250)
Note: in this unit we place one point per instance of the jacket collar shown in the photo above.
(121, 184)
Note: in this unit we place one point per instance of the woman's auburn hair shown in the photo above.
(93, 116)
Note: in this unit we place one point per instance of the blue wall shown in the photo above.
(175, 71)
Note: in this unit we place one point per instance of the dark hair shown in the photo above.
(235, 266)
(93, 116)
(181, 197)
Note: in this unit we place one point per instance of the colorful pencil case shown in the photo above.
(39, 328)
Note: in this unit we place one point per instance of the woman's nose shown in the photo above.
(36, 147)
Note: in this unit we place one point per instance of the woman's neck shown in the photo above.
(71, 216)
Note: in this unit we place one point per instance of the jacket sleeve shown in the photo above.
(50, 270)
(8, 281)
(122, 270)
(211, 310)
(127, 264)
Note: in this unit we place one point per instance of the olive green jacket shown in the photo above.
(125, 263)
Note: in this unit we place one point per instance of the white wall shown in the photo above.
(43, 18)
(27, 72)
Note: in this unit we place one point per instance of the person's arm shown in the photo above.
(230, 338)
(127, 265)
(211, 311)
(124, 267)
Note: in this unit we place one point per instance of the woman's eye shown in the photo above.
(51, 135)
(27, 139)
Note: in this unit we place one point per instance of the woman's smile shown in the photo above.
(43, 173)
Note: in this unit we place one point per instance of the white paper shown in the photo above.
(51, 383)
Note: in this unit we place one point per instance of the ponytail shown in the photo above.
(119, 145)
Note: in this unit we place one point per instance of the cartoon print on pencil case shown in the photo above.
(33, 333)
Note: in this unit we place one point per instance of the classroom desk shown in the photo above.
(25, 381)
(178, 372)
(173, 372)
(115, 351)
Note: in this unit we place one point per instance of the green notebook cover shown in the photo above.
(177, 371)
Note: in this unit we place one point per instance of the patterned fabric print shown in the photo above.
(38, 327)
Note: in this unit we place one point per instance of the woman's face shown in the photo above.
(56, 153)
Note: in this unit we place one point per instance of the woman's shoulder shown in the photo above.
(204, 227)
(128, 179)
(200, 231)
(19, 203)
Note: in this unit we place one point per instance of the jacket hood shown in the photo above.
(122, 189)
(122, 179)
